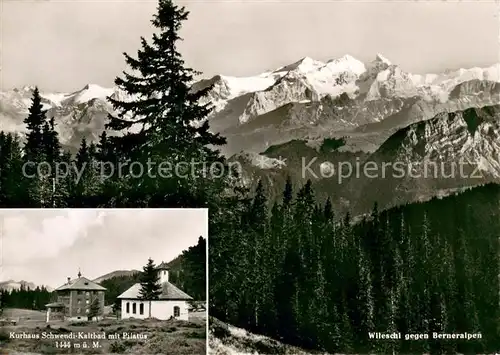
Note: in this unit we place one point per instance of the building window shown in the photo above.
(177, 311)
(79, 292)
(141, 308)
(86, 311)
(133, 308)
(78, 310)
(164, 272)
(87, 294)
(128, 307)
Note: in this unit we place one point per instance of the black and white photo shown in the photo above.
(346, 152)
(103, 281)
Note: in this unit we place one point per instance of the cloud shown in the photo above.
(59, 230)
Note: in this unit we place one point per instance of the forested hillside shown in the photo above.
(35, 299)
(116, 285)
(292, 273)
(187, 271)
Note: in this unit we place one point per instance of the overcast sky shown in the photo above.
(63, 45)
(48, 246)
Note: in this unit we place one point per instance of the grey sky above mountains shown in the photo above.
(48, 246)
(63, 45)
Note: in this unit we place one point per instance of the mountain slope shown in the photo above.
(450, 152)
(117, 273)
(225, 339)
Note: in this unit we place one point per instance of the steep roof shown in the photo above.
(81, 283)
(168, 292)
(163, 266)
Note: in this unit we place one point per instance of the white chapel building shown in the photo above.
(172, 302)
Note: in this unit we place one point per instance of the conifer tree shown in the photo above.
(35, 122)
(150, 284)
(2, 301)
(51, 150)
(365, 294)
(50, 140)
(34, 153)
(194, 264)
(94, 309)
(12, 183)
(172, 123)
(258, 247)
(87, 184)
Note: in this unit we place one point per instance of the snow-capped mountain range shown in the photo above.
(310, 80)
(308, 99)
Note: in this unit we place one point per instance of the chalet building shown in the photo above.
(172, 303)
(74, 299)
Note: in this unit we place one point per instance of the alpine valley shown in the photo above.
(321, 115)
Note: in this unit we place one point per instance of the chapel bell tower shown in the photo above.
(163, 272)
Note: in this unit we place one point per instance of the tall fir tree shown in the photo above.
(35, 122)
(34, 154)
(52, 156)
(173, 130)
(150, 284)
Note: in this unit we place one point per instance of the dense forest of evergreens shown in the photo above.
(26, 298)
(293, 273)
(116, 285)
(290, 270)
(187, 271)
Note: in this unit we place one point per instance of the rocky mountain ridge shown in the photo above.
(436, 157)
(307, 99)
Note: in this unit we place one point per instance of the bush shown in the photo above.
(193, 325)
(117, 347)
(196, 335)
(219, 329)
(48, 350)
(4, 337)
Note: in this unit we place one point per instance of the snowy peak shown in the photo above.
(303, 81)
(392, 82)
(304, 65)
(308, 65)
(306, 97)
(379, 58)
(309, 80)
(346, 63)
(89, 92)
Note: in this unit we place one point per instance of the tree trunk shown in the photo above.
(149, 308)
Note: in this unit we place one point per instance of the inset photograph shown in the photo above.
(102, 281)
